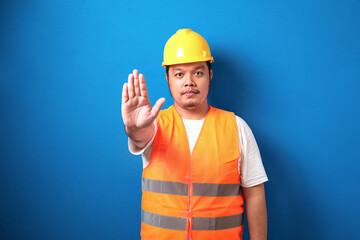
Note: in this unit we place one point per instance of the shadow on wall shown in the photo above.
(292, 211)
(228, 85)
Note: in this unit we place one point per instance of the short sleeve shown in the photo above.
(251, 168)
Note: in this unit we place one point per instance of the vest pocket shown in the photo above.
(231, 160)
(229, 170)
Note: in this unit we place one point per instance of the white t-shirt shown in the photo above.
(250, 166)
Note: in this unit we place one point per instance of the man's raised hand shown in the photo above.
(135, 108)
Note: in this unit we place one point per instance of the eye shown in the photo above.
(198, 73)
(178, 74)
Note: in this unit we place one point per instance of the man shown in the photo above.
(200, 163)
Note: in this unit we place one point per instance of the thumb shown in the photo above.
(157, 107)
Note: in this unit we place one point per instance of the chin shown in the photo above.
(190, 105)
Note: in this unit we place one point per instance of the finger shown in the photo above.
(157, 107)
(143, 89)
(125, 94)
(137, 86)
(136, 82)
(131, 91)
(136, 73)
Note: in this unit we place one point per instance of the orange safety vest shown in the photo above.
(193, 196)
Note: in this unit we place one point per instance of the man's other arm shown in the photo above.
(256, 214)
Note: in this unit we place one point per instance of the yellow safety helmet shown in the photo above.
(186, 46)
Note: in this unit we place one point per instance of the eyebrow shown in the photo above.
(199, 67)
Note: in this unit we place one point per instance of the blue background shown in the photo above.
(291, 69)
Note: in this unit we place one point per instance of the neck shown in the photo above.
(196, 113)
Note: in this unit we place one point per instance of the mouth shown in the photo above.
(189, 92)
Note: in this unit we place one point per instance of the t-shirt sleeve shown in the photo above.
(251, 168)
(145, 151)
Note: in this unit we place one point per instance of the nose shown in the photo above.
(189, 81)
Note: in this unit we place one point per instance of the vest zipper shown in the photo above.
(190, 199)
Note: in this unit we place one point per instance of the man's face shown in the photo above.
(189, 84)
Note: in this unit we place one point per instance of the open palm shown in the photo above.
(136, 108)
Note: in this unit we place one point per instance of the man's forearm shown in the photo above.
(256, 213)
(141, 136)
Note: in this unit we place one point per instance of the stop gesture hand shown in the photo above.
(136, 109)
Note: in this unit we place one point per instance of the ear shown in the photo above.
(211, 74)
(166, 76)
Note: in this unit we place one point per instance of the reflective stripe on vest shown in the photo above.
(199, 223)
(199, 189)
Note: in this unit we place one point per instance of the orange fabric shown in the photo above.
(151, 232)
(214, 160)
(226, 234)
